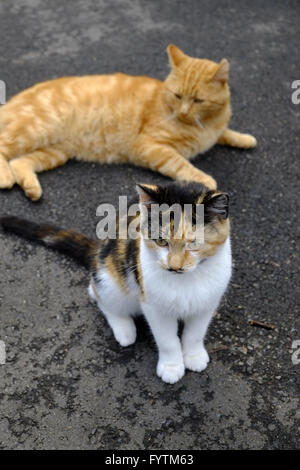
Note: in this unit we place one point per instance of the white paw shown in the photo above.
(169, 372)
(196, 362)
(126, 335)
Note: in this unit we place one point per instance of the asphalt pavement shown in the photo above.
(66, 383)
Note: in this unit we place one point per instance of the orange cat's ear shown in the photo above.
(222, 73)
(146, 193)
(176, 56)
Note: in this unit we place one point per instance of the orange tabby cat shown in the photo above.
(119, 118)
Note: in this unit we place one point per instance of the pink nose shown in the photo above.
(184, 109)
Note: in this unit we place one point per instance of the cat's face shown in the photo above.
(176, 245)
(196, 89)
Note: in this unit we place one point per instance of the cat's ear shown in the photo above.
(176, 56)
(222, 73)
(217, 206)
(147, 194)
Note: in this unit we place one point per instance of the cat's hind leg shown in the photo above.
(25, 168)
(8, 150)
(116, 308)
(21, 135)
(7, 179)
(123, 327)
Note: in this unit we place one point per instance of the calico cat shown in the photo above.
(119, 118)
(165, 279)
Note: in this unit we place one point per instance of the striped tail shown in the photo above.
(69, 242)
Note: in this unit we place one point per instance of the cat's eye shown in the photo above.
(161, 242)
(198, 100)
(178, 96)
(194, 245)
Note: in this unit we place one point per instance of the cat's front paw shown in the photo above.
(203, 178)
(248, 141)
(170, 372)
(209, 182)
(196, 362)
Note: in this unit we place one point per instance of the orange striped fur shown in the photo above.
(119, 118)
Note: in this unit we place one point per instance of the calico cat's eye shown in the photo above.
(161, 242)
(178, 96)
(194, 245)
(198, 100)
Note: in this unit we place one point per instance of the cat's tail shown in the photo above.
(81, 248)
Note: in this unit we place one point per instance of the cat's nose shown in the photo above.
(179, 270)
(175, 261)
(184, 110)
(183, 115)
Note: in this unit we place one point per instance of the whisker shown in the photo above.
(199, 123)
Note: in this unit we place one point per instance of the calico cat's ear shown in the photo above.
(176, 56)
(222, 73)
(147, 193)
(216, 206)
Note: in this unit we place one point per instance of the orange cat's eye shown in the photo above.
(178, 96)
(198, 100)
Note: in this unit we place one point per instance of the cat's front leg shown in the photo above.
(167, 161)
(194, 353)
(236, 139)
(170, 366)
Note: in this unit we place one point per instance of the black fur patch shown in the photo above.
(107, 248)
(176, 193)
(71, 243)
(215, 203)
